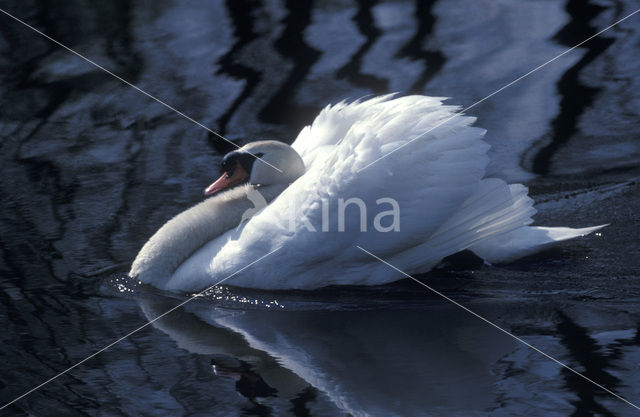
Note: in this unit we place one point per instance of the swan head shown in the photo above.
(256, 163)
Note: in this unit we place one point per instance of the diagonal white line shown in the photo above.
(499, 328)
(132, 85)
(502, 88)
(136, 330)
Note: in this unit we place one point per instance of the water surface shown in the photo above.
(91, 168)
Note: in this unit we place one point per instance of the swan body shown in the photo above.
(412, 150)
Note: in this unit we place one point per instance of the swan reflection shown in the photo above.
(404, 360)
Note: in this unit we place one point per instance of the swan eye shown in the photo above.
(228, 166)
(230, 161)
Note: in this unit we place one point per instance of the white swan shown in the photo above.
(435, 174)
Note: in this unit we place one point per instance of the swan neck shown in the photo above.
(187, 232)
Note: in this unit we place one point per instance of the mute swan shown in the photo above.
(435, 175)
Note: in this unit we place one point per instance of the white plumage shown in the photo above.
(435, 174)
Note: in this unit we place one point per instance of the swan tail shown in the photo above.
(494, 223)
(526, 241)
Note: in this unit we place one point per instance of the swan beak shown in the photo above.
(227, 181)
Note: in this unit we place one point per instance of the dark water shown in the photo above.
(91, 167)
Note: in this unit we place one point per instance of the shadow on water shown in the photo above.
(594, 363)
(353, 69)
(291, 44)
(433, 60)
(576, 97)
(120, 43)
(241, 14)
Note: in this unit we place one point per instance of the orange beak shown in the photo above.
(227, 181)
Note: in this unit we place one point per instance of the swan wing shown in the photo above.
(434, 162)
